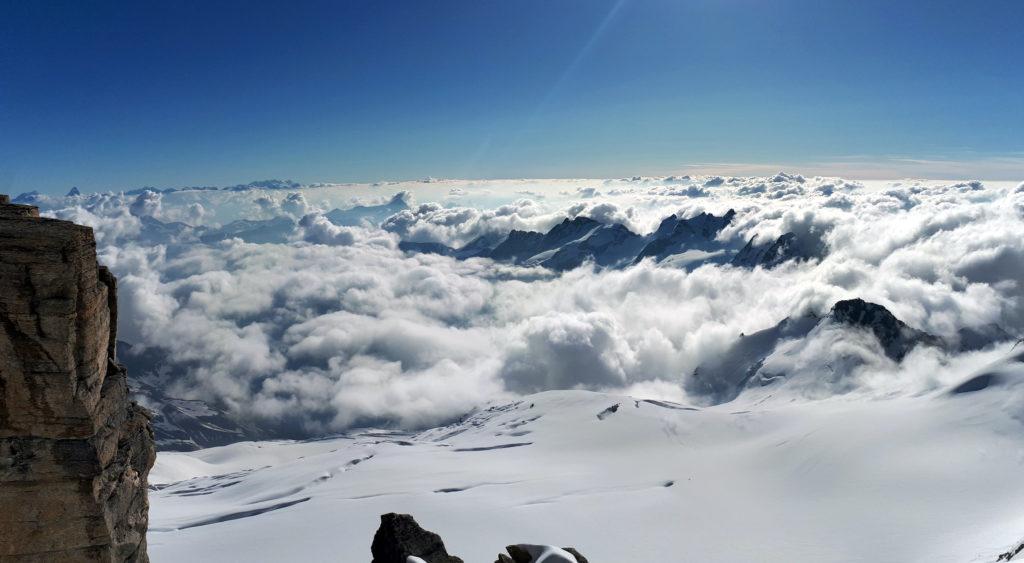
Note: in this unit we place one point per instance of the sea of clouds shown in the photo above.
(336, 326)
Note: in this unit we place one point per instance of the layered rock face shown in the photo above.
(74, 451)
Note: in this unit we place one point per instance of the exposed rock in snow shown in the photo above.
(895, 336)
(369, 214)
(745, 363)
(788, 247)
(400, 538)
(675, 235)
(608, 245)
(580, 240)
(1011, 554)
(884, 480)
(528, 553)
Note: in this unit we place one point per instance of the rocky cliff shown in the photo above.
(74, 451)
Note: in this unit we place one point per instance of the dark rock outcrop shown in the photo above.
(896, 338)
(675, 235)
(1010, 555)
(400, 537)
(724, 377)
(74, 451)
(582, 240)
(522, 554)
(786, 248)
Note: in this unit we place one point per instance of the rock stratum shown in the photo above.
(75, 452)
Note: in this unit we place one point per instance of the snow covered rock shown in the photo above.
(400, 539)
(369, 214)
(522, 246)
(749, 361)
(786, 248)
(580, 240)
(675, 236)
(895, 336)
(527, 553)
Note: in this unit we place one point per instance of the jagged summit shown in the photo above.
(27, 198)
(788, 247)
(746, 363)
(893, 334)
(674, 235)
(574, 242)
(373, 214)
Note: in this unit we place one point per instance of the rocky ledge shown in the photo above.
(74, 450)
(401, 540)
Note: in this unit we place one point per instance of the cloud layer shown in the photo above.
(338, 327)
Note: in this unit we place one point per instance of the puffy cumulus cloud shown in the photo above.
(455, 226)
(1017, 198)
(109, 216)
(146, 203)
(567, 351)
(585, 193)
(293, 205)
(338, 327)
(688, 191)
(317, 229)
(195, 213)
(608, 213)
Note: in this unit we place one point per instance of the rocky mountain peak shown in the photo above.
(894, 335)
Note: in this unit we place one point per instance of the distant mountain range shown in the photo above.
(684, 242)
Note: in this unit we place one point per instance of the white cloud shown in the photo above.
(339, 327)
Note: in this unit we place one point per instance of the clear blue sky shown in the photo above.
(111, 96)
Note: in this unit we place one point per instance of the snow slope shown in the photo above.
(935, 477)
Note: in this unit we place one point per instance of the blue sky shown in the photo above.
(115, 96)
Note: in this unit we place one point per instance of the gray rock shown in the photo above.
(400, 537)
(896, 338)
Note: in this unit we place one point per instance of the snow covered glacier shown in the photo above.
(766, 477)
